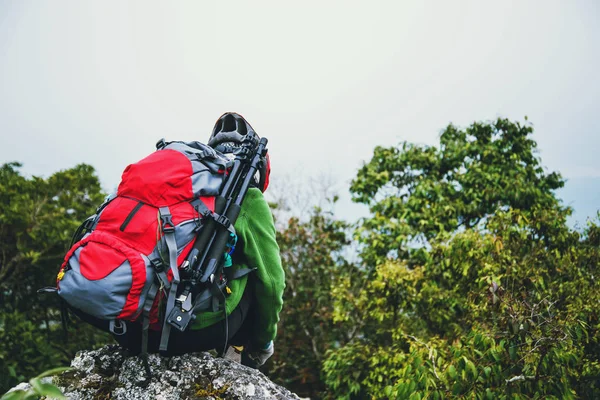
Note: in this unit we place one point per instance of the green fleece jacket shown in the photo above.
(256, 248)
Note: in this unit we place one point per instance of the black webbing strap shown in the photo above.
(64, 317)
(226, 322)
(150, 297)
(204, 211)
(201, 207)
(241, 273)
(159, 270)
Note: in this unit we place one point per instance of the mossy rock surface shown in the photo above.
(110, 373)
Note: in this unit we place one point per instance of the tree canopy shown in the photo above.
(37, 220)
(416, 193)
(311, 252)
(475, 285)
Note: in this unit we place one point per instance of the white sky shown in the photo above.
(325, 81)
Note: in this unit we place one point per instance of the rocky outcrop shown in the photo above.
(109, 373)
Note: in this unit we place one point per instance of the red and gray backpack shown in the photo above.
(131, 259)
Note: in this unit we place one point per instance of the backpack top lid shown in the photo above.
(176, 172)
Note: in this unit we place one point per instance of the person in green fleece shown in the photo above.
(254, 301)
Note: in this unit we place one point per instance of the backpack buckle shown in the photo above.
(158, 265)
(222, 220)
(167, 223)
(243, 153)
(197, 224)
(161, 144)
(117, 327)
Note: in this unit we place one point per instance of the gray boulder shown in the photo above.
(109, 373)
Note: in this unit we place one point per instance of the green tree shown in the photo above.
(312, 254)
(475, 285)
(417, 192)
(37, 219)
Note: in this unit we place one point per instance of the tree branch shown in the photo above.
(431, 357)
(7, 270)
(520, 378)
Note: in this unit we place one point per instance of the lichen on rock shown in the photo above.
(110, 373)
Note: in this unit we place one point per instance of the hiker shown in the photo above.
(256, 300)
(94, 278)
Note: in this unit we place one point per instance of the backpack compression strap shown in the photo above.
(169, 230)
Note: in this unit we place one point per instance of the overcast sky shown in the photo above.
(325, 81)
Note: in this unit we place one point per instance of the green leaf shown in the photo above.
(472, 369)
(54, 371)
(415, 396)
(36, 385)
(52, 391)
(487, 371)
(14, 395)
(388, 391)
(452, 372)
(456, 388)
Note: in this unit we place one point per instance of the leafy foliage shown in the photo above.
(419, 192)
(312, 255)
(475, 322)
(475, 286)
(37, 220)
(38, 388)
